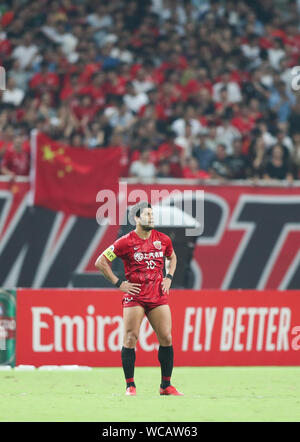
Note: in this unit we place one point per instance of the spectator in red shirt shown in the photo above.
(44, 81)
(153, 74)
(5, 46)
(201, 81)
(192, 171)
(174, 77)
(16, 160)
(85, 108)
(116, 140)
(243, 122)
(170, 151)
(254, 110)
(89, 66)
(176, 61)
(116, 85)
(96, 89)
(167, 97)
(71, 87)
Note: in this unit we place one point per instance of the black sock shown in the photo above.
(165, 357)
(128, 360)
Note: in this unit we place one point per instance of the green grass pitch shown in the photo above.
(219, 394)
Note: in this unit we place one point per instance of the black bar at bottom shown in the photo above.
(96, 431)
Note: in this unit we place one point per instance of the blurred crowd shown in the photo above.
(187, 88)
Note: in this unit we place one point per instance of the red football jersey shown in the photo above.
(144, 260)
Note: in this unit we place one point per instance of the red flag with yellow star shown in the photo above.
(67, 179)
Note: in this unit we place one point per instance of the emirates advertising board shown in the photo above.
(210, 328)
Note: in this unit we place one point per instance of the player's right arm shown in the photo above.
(103, 264)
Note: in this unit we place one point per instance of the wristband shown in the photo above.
(119, 282)
(169, 276)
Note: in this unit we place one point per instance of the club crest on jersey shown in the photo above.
(157, 245)
(138, 256)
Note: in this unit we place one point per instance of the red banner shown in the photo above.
(68, 179)
(250, 240)
(210, 328)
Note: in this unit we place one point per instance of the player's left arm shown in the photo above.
(167, 281)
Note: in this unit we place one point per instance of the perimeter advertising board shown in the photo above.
(210, 328)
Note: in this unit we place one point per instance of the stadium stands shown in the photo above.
(165, 79)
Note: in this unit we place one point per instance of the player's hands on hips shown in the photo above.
(166, 284)
(132, 288)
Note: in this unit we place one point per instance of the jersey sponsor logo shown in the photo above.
(136, 248)
(138, 256)
(157, 245)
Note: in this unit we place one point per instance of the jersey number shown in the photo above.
(150, 264)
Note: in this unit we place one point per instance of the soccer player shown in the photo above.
(146, 291)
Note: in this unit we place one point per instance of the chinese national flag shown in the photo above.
(67, 179)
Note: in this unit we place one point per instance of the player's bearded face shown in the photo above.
(146, 220)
